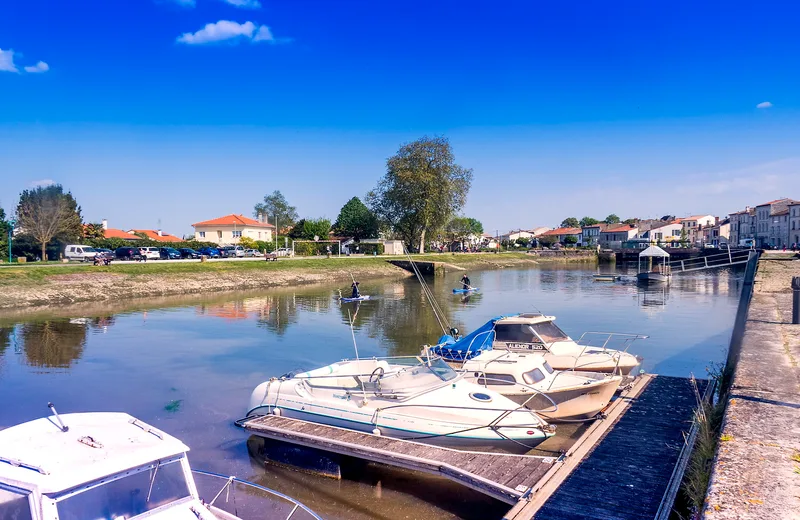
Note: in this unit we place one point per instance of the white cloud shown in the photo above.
(765, 104)
(39, 67)
(263, 35)
(42, 183)
(225, 30)
(244, 4)
(7, 61)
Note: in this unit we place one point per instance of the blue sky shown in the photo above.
(178, 111)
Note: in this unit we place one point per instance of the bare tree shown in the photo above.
(47, 212)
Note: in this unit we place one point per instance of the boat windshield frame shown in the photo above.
(532, 327)
(435, 364)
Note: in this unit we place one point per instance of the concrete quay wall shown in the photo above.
(756, 473)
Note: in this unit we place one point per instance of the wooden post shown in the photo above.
(796, 300)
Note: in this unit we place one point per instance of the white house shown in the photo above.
(231, 228)
(694, 226)
(665, 233)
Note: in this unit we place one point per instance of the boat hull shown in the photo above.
(654, 277)
(512, 439)
(575, 403)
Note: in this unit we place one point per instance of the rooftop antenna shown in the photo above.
(60, 422)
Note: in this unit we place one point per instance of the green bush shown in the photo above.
(369, 249)
(315, 248)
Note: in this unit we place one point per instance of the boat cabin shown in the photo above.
(94, 466)
(527, 332)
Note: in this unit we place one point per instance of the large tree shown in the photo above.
(94, 231)
(307, 229)
(612, 219)
(356, 220)
(460, 228)
(46, 213)
(570, 222)
(588, 221)
(276, 206)
(423, 187)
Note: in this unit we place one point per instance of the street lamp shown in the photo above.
(11, 224)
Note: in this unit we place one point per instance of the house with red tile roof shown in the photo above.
(614, 234)
(229, 229)
(561, 234)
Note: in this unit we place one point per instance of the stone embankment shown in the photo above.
(756, 473)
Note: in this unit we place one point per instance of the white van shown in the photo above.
(80, 253)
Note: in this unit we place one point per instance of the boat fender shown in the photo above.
(276, 411)
(376, 431)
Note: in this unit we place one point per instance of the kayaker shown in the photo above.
(356, 293)
(465, 281)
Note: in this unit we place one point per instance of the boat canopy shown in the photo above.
(469, 346)
(654, 251)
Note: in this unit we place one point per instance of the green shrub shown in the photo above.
(369, 249)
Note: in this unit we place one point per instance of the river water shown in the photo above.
(188, 366)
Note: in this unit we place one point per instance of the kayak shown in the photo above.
(359, 299)
(462, 291)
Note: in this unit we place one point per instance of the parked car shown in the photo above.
(80, 253)
(233, 251)
(210, 252)
(284, 251)
(151, 253)
(128, 253)
(188, 252)
(253, 252)
(169, 253)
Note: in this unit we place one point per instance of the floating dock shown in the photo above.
(620, 468)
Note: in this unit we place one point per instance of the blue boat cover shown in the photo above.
(469, 346)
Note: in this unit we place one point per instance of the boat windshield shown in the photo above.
(143, 490)
(549, 331)
(529, 332)
(442, 370)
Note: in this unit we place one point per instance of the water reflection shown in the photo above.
(53, 343)
(209, 352)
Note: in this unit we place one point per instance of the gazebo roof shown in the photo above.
(654, 251)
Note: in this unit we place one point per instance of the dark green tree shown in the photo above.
(276, 206)
(422, 189)
(588, 221)
(475, 226)
(3, 235)
(94, 231)
(47, 213)
(612, 219)
(307, 229)
(356, 220)
(630, 221)
(570, 222)
(570, 239)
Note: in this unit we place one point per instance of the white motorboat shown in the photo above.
(528, 379)
(654, 266)
(536, 333)
(413, 398)
(102, 466)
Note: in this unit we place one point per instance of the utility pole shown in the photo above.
(276, 231)
(11, 224)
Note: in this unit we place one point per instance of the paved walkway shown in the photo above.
(757, 470)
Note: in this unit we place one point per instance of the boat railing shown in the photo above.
(606, 338)
(228, 490)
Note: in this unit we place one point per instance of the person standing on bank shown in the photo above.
(465, 281)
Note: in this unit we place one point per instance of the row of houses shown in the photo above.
(228, 229)
(773, 224)
(695, 230)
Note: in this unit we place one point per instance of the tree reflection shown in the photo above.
(5, 339)
(277, 313)
(53, 344)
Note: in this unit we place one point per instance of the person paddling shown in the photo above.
(356, 293)
(465, 281)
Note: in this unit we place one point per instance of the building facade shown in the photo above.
(743, 226)
(615, 235)
(561, 235)
(794, 224)
(231, 228)
(694, 225)
(772, 223)
(666, 233)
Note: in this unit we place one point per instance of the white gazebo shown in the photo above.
(654, 266)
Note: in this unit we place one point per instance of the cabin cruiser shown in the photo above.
(414, 398)
(101, 466)
(536, 333)
(528, 379)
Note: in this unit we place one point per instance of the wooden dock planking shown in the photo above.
(626, 475)
(489, 473)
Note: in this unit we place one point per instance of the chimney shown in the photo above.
(159, 233)
(105, 224)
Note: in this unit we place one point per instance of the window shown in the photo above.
(237, 234)
(495, 379)
(14, 504)
(534, 376)
(143, 490)
(202, 234)
(259, 235)
(219, 235)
